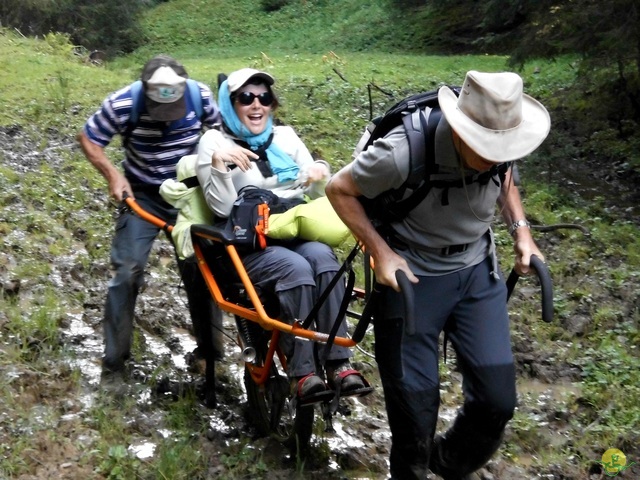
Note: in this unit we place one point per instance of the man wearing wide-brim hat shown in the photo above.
(445, 246)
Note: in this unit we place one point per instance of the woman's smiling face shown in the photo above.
(255, 115)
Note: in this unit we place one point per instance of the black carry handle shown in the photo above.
(546, 286)
(372, 304)
(407, 296)
(367, 314)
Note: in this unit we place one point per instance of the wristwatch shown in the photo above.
(516, 225)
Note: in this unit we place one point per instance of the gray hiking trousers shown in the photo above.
(297, 274)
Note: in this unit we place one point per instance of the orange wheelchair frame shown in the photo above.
(268, 391)
(257, 312)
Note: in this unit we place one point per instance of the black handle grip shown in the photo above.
(408, 297)
(372, 305)
(367, 315)
(546, 286)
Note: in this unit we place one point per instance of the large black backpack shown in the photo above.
(419, 114)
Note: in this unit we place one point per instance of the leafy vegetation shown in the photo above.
(603, 40)
(110, 26)
(53, 205)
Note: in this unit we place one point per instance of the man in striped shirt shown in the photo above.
(156, 132)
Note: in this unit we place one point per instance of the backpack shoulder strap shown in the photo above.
(137, 105)
(421, 134)
(416, 129)
(196, 97)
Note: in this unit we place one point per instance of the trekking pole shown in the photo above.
(546, 286)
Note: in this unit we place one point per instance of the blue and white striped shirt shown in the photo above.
(153, 148)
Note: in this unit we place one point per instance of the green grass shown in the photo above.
(339, 25)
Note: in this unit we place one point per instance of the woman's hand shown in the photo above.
(317, 172)
(241, 157)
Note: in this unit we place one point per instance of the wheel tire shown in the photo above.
(270, 404)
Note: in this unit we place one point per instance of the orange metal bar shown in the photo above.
(261, 374)
(258, 315)
(270, 323)
(152, 219)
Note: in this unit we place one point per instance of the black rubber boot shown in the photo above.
(466, 447)
(447, 469)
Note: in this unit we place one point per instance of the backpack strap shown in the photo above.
(499, 171)
(422, 151)
(415, 126)
(263, 161)
(191, 182)
(196, 97)
(137, 105)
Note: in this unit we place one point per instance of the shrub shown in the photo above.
(273, 5)
(109, 26)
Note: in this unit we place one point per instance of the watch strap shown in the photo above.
(517, 224)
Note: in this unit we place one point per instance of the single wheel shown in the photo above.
(270, 404)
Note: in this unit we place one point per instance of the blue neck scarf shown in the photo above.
(281, 164)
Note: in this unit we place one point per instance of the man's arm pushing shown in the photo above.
(512, 210)
(342, 193)
(118, 184)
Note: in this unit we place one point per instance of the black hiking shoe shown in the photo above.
(114, 382)
(345, 380)
(310, 389)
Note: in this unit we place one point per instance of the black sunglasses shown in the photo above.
(247, 98)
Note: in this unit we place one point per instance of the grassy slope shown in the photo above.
(56, 93)
(340, 25)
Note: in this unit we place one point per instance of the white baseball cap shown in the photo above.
(237, 79)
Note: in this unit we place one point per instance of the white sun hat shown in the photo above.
(494, 117)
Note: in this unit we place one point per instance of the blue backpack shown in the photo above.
(137, 99)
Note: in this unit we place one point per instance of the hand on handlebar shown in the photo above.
(546, 285)
(524, 249)
(386, 269)
(404, 285)
(118, 187)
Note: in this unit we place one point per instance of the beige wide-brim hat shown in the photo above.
(494, 117)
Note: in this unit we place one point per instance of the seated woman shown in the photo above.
(249, 150)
